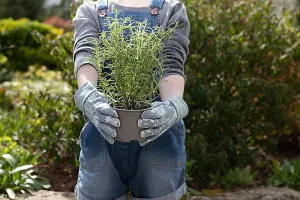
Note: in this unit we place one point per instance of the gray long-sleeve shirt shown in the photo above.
(176, 49)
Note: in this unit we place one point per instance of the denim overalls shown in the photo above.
(155, 171)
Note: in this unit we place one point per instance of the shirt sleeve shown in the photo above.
(176, 49)
(85, 29)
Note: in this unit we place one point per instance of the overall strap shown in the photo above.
(102, 6)
(156, 5)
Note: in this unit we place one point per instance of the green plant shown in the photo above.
(21, 8)
(190, 167)
(298, 12)
(17, 169)
(234, 178)
(5, 74)
(18, 45)
(65, 119)
(286, 174)
(53, 119)
(126, 57)
(241, 83)
(73, 7)
(61, 49)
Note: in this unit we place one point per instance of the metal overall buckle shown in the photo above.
(154, 11)
(102, 12)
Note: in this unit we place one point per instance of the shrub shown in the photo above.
(243, 77)
(18, 45)
(21, 8)
(65, 121)
(234, 178)
(242, 83)
(61, 51)
(16, 169)
(31, 107)
(298, 13)
(286, 174)
(43, 121)
(54, 120)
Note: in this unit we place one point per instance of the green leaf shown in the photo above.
(37, 156)
(11, 194)
(3, 59)
(9, 159)
(2, 172)
(22, 168)
(34, 183)
(45, 184)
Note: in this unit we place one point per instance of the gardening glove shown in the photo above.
(161, 117)
(96, 107)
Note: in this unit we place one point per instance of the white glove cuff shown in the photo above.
(181, 107)
(83, 92)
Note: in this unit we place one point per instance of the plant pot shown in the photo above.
(129, 129)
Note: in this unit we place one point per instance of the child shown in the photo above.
(153, 169)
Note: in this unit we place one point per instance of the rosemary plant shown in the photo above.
(129, 63)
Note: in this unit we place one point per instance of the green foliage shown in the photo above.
(241, 83)
(51, 118)
(190, 167)
(130, 49)
(5, 74)
(3, 59)
(286, 174)
(58, 118)
(234, 178)
(61, 51)
(16, 169)
(298, 13)
(21, 8)
(38, 104)
(73, 7)
(242, 86)
(18, 45)
(219, 154)
(5, 100)
(61, 9)
(54, 120)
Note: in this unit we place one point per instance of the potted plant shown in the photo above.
(130, 69)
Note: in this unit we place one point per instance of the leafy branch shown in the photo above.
(128, 60)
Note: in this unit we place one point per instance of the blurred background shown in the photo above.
(243, 84)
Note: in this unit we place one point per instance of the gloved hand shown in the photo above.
(161, 117)
(96, 107)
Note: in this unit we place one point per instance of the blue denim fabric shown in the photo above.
(155, 171)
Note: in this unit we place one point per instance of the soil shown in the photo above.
(60, 180)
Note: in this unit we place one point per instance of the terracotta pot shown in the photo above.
(129, 129)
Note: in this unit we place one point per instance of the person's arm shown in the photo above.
(175, 50)
(172, 85)
(88, 99)
(87, 73)
(86, 28)
(173, 108)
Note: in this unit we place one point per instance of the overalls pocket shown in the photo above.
(168, 150)
(92, 154)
